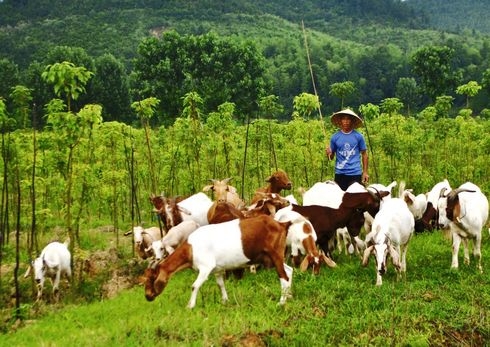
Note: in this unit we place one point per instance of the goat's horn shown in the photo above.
(441, 193)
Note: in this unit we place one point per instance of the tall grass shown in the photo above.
(431, 306)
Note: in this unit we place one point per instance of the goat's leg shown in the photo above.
(477, 253)
(201, 278)
(466, 251)
(456, 243)
(40, 286)
(221, 284)
(56, 286)
(286, 285)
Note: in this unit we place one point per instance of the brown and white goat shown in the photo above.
(216, 248)
(350, 214)
(278, 181)
(464, 212)
(174, 210)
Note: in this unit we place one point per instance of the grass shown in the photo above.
(431, 306)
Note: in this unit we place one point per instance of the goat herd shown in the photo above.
(215, 236)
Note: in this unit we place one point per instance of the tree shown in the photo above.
(304, 104)
(433, 67)
(21, 99)
(220, 69)
(341, 90)
(9, 77)
(68, 80)
(469, 89)
(110, 88)
(443, 105)
(391, 106)
(406, 91)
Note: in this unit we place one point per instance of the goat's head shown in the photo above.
(153, 285)
(279, 180)
(220, 189)
(381, 250)
(270, 203)
(449, 206)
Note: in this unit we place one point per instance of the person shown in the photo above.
(349, 149)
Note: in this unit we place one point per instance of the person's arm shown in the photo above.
(330, 154)
(365, 165)
(328, 150)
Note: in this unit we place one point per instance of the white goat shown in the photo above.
(53, 262)
(391, 232)
(464, 212)
(174, 238)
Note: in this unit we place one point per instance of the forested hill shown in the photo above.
(29, 28)
(456, 15)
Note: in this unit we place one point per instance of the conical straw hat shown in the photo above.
(337, 116)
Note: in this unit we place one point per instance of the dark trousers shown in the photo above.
(344, 181)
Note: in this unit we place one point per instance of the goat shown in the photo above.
(464, 212)
(223, 192)
(278, 181)
(301, 238)
(174, 238)
(327, 220)
(417, 204)
(392, 229)
(143, 238)
(329, 194)
(430, 216)
(53, 262)
(215, 248)
(174, 210)
(268, 204)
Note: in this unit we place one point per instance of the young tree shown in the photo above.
(68, 80)
(341, 90)
(469, 89)
(391, 106)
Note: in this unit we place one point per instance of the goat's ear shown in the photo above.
(304, 264)
(28, 271)
(207, 188)
(395, 257)
(367, 253)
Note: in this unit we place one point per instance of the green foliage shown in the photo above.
(67, 79)
(433, 67)
(219, 69)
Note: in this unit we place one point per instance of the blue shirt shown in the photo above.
(347, 149)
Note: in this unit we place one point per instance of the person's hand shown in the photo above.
(328, 152)
(365, 178)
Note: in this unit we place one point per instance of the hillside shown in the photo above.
(367, 42)
(28, 29)
(455, 15)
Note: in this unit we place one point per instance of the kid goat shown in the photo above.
(215, 248)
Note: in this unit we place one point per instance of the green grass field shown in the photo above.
(431, 306)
